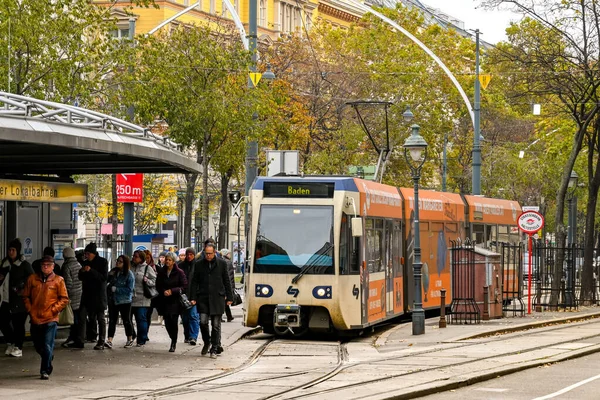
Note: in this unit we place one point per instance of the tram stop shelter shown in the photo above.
(44, 144)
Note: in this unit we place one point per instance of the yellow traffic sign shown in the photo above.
(485, 80)
(255, 77)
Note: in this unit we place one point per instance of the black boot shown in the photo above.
(173, 345)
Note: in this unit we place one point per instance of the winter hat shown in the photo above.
(90, 248)
(15, 244)
(46, 259)
(224, 252)
(182, 252)
(190, 250)
(68, 252)
(162, 254)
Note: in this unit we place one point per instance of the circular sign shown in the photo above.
(530, 221)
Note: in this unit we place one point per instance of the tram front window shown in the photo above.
(294, 240)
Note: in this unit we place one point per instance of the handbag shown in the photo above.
(150, 292)
(185, 302)
(66, 317)
(237, 298)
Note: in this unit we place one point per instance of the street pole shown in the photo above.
(251, 145)
(239, 248)
(128, 207)
(445, 162)
(476, 184)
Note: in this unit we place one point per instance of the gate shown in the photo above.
(464, 308)
(512, 279)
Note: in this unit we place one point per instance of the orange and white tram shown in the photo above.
(335, 253)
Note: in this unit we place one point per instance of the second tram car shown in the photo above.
(335, 253)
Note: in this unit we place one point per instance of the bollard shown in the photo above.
(486, 303)
(443, 309)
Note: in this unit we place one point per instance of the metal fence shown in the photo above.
(464, 308)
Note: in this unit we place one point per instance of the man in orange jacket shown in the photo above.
(45, 295)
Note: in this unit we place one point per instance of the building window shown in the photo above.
(281, 17)
(212, 7)
(262, 13)
(237, 6)
(288, 15)
(120, 33)
(297, 20)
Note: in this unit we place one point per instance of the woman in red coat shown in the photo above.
(171, 283)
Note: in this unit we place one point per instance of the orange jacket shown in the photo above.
(45, 298)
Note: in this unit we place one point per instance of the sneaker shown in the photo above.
(186, 341)
(9, 349)
(219, 350)
(140, 345)
(44, 376)
(230, 319)
(193, 342)
(205, 349)
(128, 344)
(16, 352)
(75, 345)
(99, 346)
(108, 344)
(213, 354)
(66, 343)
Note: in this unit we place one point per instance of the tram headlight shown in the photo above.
(322, 292)
(263, 290)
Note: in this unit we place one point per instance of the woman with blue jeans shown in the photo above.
(120, 295)
(143, 273)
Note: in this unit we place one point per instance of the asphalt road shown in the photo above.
(577, 379)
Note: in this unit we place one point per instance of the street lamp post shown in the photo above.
(570, 195)
(415, 152)
(215, 221)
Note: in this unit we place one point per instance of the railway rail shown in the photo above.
(290, 369)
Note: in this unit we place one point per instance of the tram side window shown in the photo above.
(397, 249)
(374, 248)
(478, 233)
(349, 246)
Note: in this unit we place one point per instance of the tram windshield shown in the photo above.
(294, 239)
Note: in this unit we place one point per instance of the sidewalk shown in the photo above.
(92, 374)
(460, 355)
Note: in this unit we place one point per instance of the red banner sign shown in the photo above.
(130, 188)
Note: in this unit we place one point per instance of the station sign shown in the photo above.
(130, 188)
(530, 222)
(39, 191)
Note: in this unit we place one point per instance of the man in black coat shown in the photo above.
(209, 286)
(93, 275)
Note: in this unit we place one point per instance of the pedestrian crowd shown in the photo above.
(198, 288)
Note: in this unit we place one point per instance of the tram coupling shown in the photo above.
(287, 316)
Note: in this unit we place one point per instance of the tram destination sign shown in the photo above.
(530, 221)
(299, 189)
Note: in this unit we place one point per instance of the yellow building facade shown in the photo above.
(276, 18)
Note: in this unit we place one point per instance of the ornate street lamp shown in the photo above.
(215, 221)
(415, 152)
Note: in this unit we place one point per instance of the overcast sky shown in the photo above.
(492, 24)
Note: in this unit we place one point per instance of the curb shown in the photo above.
(382, 339)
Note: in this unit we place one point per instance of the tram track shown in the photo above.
(266, 374)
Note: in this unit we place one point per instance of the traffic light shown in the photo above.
(234, 196)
